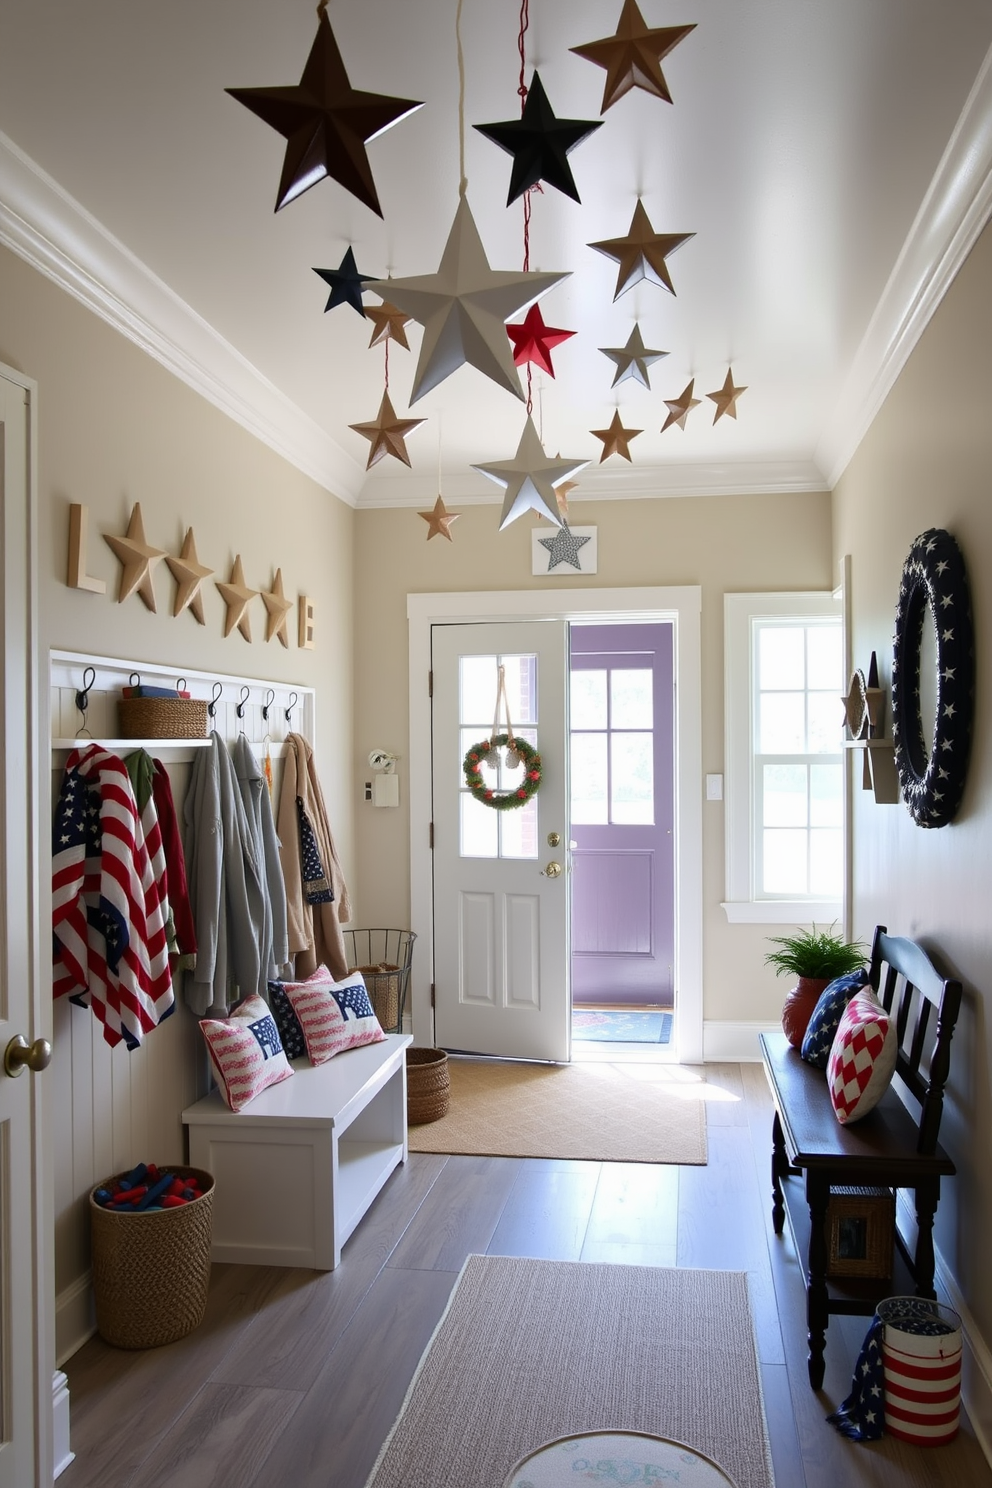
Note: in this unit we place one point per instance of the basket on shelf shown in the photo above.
(162, 718)
(151, 1269)
(428, 1086)
(383, 957)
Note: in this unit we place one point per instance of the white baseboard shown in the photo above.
(61, 1456)
(732, 1043)
(74, 1318)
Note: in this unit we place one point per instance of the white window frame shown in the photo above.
(740, 612)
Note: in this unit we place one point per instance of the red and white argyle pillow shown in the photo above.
(862, 1058)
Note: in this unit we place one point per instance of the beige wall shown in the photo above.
(721, 543)
(927, 462)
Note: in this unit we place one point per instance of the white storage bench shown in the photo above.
(298, 1167)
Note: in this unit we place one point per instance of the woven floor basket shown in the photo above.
(151, 1271)
(162, 718)
(428, 1088)
(382, 982)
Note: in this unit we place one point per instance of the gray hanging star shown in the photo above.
(464, 308)
(634, 359)
(563, 547)
(529, 479)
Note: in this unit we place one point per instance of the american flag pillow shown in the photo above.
(862, 1058)
(334, 1015)
(246, 1052)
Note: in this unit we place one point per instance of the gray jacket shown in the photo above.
(274, 942)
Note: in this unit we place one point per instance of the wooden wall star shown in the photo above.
(237, 596)
(189, 574)
(726, 397)
(632, 55)
(616, 439)
(679, 408)
(387, 434)
(138, 559)
(278, 607)
(439, 520)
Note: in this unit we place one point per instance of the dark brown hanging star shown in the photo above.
(632, 55)
(642, 253)
(539, 143)
(325, 122)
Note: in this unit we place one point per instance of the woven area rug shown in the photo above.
(598, 1112)
(529, 1351)
(599, 1026)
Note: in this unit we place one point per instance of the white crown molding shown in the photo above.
(52, 232)
(954, 211)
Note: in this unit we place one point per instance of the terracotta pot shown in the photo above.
(799, 1007)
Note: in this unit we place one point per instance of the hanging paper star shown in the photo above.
(464, 308)
(632, 360)
(563, 547)
(563, 492)
(439, 521)
(389, 323)
(138, 559)
(616, 439)
(632, 55)
(530, 478)
(642, 253)
(533, 340)
(726, 397)
(679, 408)
(278, 607)
(237, 596)
(346, 284)
(326, 123)
(387, 434)
(189, 573)
(539, 143)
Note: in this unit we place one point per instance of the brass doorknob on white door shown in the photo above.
(19, 1055)
(553, 870)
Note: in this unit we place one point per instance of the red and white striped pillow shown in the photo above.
(862, 1058)
(246, 1052)
(334, 1015)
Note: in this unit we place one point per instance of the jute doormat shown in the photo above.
(599, 1112)
(529, 1351)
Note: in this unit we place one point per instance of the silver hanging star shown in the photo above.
(634, 359)
(563, 547)
(530, 478)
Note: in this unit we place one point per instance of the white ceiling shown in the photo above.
(803, 140)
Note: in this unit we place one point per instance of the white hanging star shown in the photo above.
(530, 478)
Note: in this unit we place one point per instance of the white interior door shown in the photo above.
(500, 908)
(24, 1414)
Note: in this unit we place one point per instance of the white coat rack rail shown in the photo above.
(265, 711)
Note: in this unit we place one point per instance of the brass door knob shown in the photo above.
(553, 870)
(20, 1055)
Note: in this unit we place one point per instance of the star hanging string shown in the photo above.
(642, 254)
(533, 340)
(138, 560)
(539, 143)
(616, 439)
(387, 434)
(464, 308)
(679, 408)
(530, 478)
(325, 122)
(189, 574)
(439, 520)
(632, 55)
(388, 324)
(632, 360)
(346, 284)
(726, 397)
(563, 547)
(278, 608)
(237, 596)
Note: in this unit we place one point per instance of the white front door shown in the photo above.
(25, 1362)
(500, 876)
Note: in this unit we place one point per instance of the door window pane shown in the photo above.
(476, 689)
(520, 676)
(632, 778)
(631, 701)
(518, 831)
(589, 779)
(783, 797)
(479, 829)
(588, 700)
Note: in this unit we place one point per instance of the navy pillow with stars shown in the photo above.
(287, 1022)
(827, 1015)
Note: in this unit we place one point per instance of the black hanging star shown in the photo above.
(325, 122)
(346, 284)
(539, 143)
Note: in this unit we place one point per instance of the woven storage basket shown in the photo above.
(383, 985)
(428, 1087)
(162, 718)
(151, 1270)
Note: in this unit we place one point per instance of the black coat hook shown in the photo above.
(83, 695)
(214, 697)
(245, 695)
(270, 698)
(293, 700)
(180, 686)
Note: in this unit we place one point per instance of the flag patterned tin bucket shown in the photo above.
(921, 1347)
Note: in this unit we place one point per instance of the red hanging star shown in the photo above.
(533, 340)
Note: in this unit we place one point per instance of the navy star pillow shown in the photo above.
(827, 1015)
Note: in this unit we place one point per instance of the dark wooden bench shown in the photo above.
(895, 1146)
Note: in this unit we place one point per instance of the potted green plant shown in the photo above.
(815, 958)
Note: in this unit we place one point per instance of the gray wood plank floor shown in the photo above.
(295, 1377)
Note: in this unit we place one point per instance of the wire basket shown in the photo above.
(383, 957)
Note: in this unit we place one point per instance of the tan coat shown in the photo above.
(314, 939)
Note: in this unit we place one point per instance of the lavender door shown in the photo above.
(622, 763)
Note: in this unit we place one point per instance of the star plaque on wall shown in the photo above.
(529, 479)
(325, 122)
(632, 55)
(616, 439)
(189, 574)
(632, 360)
(679, 408)
(237, 596)
(278, 607)
(642, 254)
(346, 283)
(138, 560)
(387, 434)
(539, 143)
(564, 547)
(533, 340)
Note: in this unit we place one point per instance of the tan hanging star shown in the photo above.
(632, 56)
(563, 492)
(237, 596)
(138, 559)
(616, 439)
(387, 434)
(189, 573)
(439, 520)
(679, 408)
(726, 397)
(642, 253)
(388, 323)
(278, 606)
